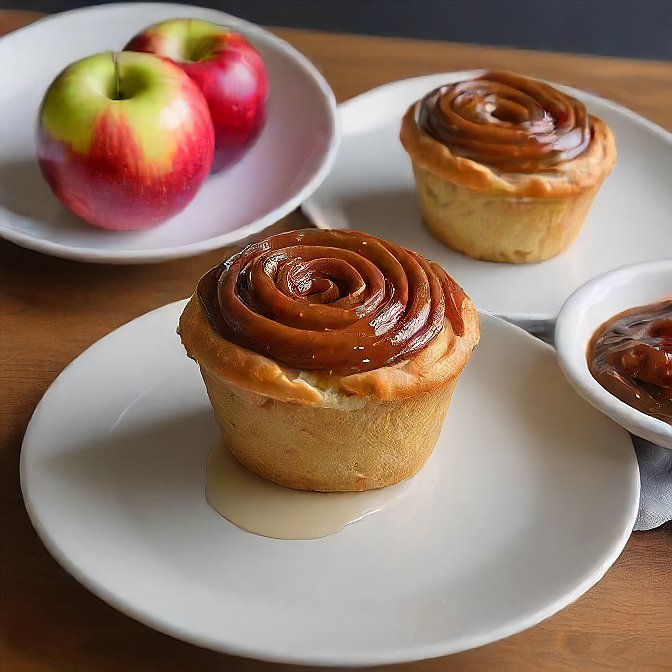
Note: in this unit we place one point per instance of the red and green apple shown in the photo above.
(124, 139)
(227, 69)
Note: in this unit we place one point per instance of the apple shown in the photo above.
(124, 139)
(227, 69)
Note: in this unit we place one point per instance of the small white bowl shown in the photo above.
(589, 307)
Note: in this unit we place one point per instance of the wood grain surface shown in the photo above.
(51, 310)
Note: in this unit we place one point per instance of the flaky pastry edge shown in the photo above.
(566, 178)
(442, 360)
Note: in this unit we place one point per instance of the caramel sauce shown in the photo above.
(506, 121)
(630, 355)
(338, 301)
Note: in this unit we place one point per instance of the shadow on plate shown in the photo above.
(150, 469)
(393, 215)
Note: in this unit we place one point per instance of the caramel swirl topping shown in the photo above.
(338, 301)
(506, 121)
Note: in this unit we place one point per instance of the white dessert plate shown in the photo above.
(371, 189)
(535, 495)
(585, 311)
(289, 160)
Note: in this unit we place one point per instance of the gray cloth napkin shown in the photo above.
(655, 462)
(655, 472)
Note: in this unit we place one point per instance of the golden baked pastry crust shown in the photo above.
(567, 178)
(330, 430)
(329, 449)
(500, 228)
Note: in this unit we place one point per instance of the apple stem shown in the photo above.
(117, 76)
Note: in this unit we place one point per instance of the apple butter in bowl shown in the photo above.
(630, 356)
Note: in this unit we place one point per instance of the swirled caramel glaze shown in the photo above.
(630, 355)
(337, 301)
(507, 121)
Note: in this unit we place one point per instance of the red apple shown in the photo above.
(124, 140)
(227, 69)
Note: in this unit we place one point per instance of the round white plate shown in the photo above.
(535, 494)
(287, 163)
(371, 189)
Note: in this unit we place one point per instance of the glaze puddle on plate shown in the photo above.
(261, 507)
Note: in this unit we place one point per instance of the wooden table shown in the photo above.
(53, 309)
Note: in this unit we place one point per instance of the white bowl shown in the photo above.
(590, 306)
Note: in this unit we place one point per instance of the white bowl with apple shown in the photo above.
(213, 134)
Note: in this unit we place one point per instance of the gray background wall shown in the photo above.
(630, 28)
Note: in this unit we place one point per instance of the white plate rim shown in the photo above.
(334, 657)
(314, 212)
(159, 254)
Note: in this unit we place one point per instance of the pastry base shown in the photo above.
(497, 227)
(329, 449)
